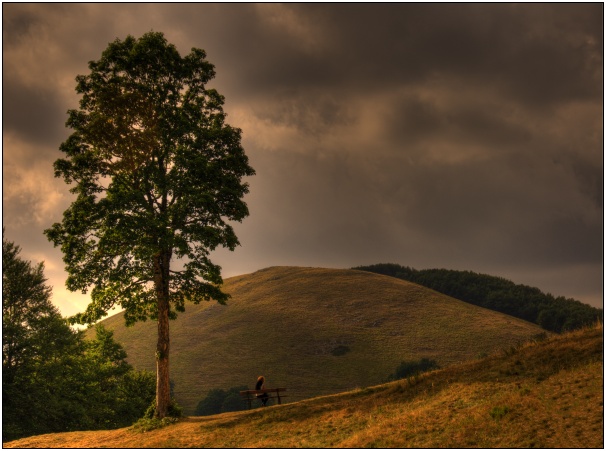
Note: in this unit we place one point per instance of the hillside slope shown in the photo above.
(316, 332)
(556, 314)
(541, 395)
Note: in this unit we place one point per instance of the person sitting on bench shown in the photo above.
(261, 386)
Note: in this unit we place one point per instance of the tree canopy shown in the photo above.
(31, 324)
(158, 176)
(53, 380)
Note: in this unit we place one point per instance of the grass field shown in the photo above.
(317, 332)
(542, 394)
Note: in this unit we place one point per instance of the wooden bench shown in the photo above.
(250, 395)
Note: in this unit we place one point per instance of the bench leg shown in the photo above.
(279, 400)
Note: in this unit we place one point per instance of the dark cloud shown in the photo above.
(311, 114)
(487, 128)
(590, 179)
(415, 119)
(540, 54)
(464, 136)
(16, 24)
(35, 114)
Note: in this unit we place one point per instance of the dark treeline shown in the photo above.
(556, 314)
(53, 379)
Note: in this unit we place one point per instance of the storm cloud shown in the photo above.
(459, 136)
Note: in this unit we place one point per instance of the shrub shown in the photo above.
(218, 401)
(499, 412)
(233, 401)
(149, 424)
(212, 403)
(340, 350)
(174, 410)
(413, 368)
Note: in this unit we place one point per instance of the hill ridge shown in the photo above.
(556, 314)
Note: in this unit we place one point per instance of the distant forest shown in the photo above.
(556, 314)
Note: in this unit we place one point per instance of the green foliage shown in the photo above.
(174, 410)
(233, 401)
(149, 424)
(218, 401)
(135, 391)
(556, 314)
(413, 368)
(32, 329)
(499, 412)
(121, 394)
(340, 350)
(212, 403)
(38, 345)
(53, 379)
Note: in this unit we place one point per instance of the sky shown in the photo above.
(457, 136)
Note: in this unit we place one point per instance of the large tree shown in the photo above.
(158, 174)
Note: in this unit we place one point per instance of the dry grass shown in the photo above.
(285, 323)
(547, 394)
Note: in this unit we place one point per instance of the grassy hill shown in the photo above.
(316, 332)
(556, 314)
(545, 394)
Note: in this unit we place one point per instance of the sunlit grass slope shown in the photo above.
(316, 332)
(547, 394)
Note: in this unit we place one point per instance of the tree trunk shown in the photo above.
(161, 267)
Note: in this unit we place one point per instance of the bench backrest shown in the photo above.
(259, 392)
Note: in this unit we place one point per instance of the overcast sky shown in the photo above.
(430, 135)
